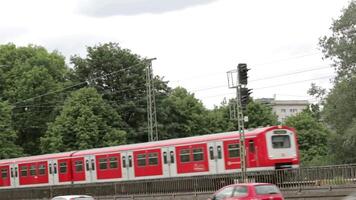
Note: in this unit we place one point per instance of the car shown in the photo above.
(248, 191)
(73, 197)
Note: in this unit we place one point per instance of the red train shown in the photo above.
(267, 149)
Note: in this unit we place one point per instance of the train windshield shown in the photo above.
(281, 141)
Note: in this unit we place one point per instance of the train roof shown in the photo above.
(177, 142)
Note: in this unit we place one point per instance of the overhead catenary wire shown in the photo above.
(265, 78)
(75, 85)
(277, 85)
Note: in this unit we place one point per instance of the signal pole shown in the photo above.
(151, 103)
(236, 82)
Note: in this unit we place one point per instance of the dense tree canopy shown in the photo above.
(341, 45)
(339, 105)
(182, 115)
(86, 121)
(312, 137)
(8, 136)
(26, 74)
(122, 83)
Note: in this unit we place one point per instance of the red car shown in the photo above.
(248, 191)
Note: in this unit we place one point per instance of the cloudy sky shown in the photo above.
(195, 41)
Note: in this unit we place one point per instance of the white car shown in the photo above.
(73, 197)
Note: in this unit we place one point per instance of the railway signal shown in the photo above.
(242, 97)
(242, 73)
(245, 97)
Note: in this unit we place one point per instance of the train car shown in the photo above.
(267, 148)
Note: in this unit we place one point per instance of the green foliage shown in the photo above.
(341, 45)
(8, 148)
(28, 72)
(259, 115)
(340, 107)
(218, 120)
(86, 121)
(124, 84)
(312, 137)
(343, 146)
(183, 115)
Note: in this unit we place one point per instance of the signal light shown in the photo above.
(245, 97)
(242, 73)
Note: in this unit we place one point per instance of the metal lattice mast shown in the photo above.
(236, 114)
(151, 103)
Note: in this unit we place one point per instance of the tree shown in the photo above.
(28, 73)
(312, 137)
(218, 119)
(341, 45)
(339, 105)
(122, 83)
(86, 121)
(8, 136)
(259, 115)
(182, 115)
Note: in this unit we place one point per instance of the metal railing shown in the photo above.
(286, 179)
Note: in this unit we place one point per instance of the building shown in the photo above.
(285, 108)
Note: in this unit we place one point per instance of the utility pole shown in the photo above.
(151, 103)
(237, 79)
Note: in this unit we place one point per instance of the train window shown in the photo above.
(41, 169)
(234, 151)
(219, 152)
(3, 173)
(211, 152)
(153, 158)
(198, 154)
(103, 163)
(123, 161)
(78, 166)
(87, 164)
(92, 164)
(251, 145)
(165, 159)
(141, 160)
(172, 157)
(33, 170)
(63, 168)
(185, 155)
(113, 162)
(130, 161)
(12, 172)
(280, 141)
(24, 171)
(55, 168)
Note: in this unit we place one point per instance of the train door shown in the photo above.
(251, 154)
(216, 161)
(53, 172)
(127, 166)
(169, 164)
(14, 175)
(90, 173)
(166, 164)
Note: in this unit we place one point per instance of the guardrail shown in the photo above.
(286, 179)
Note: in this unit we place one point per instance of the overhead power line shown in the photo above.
(257, 64)
(265, 78)
(75, 85)
(290, 83)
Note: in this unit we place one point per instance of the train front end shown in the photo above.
(282, 148)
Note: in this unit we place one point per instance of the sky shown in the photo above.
(196, 42)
